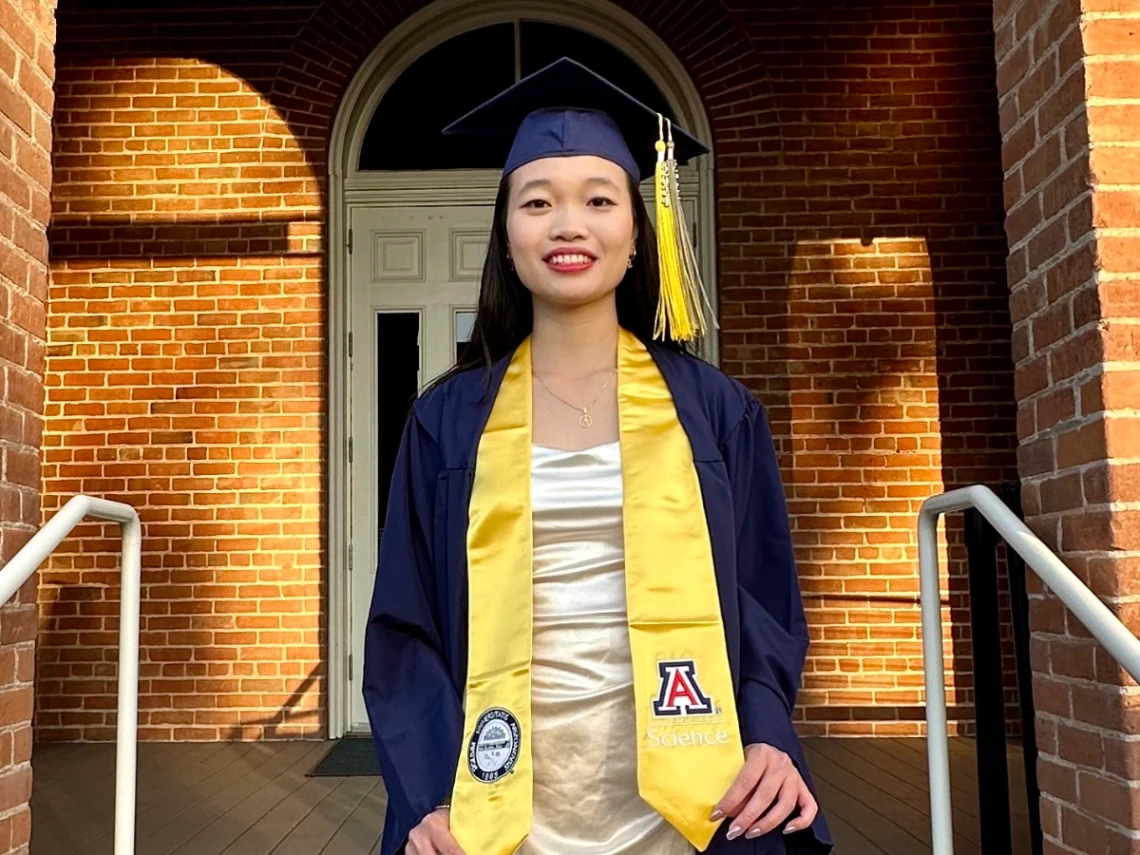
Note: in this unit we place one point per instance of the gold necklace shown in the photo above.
(585, 420)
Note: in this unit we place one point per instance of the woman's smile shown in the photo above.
(569, 260)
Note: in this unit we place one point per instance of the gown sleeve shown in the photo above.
(774, 636)
(414, 708)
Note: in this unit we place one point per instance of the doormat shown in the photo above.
(351, 756)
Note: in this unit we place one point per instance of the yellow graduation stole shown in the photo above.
(688, 738)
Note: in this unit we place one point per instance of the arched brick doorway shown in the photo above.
(386, 194)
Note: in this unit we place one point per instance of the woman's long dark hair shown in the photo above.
(506, 314)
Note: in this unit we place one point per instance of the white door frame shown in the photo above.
(349, 188)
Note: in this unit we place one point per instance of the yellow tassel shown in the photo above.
(695, 294)
(680, 306)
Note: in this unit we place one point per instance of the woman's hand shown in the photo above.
(433, 836)
(768, 782)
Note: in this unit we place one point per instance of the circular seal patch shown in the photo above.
(494, 747)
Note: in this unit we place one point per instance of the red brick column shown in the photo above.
(27, 67)
(1068, 79)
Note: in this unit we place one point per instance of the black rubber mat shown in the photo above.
(351, 756)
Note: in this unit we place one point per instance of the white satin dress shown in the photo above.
(585, 757)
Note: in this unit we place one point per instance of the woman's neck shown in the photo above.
(575, 342)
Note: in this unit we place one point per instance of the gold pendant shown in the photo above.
(585, 421)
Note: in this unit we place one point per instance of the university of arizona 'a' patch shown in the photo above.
(679, 693)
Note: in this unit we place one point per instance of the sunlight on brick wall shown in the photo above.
(186, 357)
(865, 444)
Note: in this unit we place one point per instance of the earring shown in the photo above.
(632, 256)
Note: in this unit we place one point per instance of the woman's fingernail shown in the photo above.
(752, 832)
(716, 814)
(733, 832)
(789, 828)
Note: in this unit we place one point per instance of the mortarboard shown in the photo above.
(565, 110)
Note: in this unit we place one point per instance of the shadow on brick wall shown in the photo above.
(865, 301)
(113, 239)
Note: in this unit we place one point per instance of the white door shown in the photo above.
(414, 275)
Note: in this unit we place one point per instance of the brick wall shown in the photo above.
(185, 368)
(864, 434)
(865, 301)
(1069, 75)
(862, 288)
(27, 66)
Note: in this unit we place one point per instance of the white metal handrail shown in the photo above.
(17, 571)
(1089, 610)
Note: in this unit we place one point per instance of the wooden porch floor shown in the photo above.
(254, 799)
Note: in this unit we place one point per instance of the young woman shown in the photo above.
(586, 634)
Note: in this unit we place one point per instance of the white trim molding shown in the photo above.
(349, 188)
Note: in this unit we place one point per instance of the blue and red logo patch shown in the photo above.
(679, 692)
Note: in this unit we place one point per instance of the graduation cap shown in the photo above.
(565, 110)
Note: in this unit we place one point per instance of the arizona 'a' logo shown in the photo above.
(680, 693)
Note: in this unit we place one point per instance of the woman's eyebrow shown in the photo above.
(546, 183)
(534, 184)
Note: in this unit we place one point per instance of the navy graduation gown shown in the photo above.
(415, 653)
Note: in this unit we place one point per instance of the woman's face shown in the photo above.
(570, 228)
